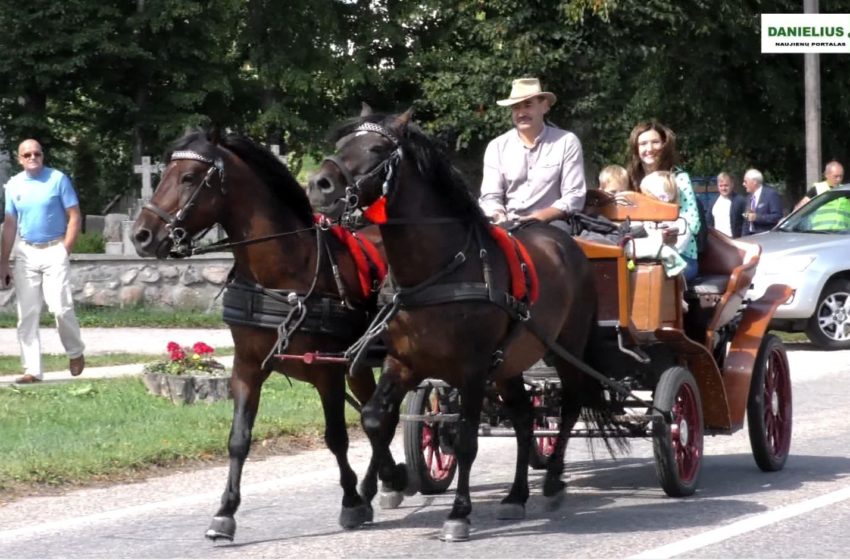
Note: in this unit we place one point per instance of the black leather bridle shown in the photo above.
(181, 242)
(353, 185)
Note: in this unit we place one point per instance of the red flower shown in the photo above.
(177, 354)
(202, 349)
(172, 346)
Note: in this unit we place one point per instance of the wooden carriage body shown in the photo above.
(645, 307)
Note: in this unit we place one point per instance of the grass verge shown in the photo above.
(94, 316)
(113, 429)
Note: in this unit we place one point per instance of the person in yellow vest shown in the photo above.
(833, 174)
(833, 216)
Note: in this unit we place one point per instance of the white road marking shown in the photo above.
(745, 526)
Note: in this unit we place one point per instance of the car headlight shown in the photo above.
(786, 264)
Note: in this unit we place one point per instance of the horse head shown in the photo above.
(187, 201)
(368, 152)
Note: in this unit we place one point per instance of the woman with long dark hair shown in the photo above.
(652, 147)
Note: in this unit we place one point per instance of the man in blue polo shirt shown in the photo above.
(42, 207)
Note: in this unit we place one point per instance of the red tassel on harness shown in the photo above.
(377, 211)
(360, 249)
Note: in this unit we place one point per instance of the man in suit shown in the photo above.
(764, 205)
(727, 212)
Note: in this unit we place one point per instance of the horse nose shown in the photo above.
(322, 182)
(142, 240)
(320, 189)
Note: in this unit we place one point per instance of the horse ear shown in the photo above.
(214, 135)
(365, 109)
(403, 119)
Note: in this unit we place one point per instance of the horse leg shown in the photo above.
(571, 404)
(246, 399)
(456, 527)
(393, 487)
(518, 406)
(331, 387)
(379, 419)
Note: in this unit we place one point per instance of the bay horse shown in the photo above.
(454, 316)
(295, 288)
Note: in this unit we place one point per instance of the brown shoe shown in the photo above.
(26, 379)
(76, 365)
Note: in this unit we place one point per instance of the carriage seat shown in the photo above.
(726, 270)
(635, 206)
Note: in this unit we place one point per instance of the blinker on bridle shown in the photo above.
(173, 222)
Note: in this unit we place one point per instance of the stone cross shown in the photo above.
(275, 149)
(146, 169)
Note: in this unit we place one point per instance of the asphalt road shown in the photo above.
(613, 508)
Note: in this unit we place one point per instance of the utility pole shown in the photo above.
(811, 75)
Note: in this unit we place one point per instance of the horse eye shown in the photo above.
(187, 178)
(376, 149)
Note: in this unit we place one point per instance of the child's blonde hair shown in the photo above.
(660, 185)
(614, 179)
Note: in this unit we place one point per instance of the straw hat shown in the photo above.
(525, 88)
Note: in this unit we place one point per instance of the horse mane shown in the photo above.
(265, 164)
(431, 161)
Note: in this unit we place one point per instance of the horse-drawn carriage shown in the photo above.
(699, 369)
(465, 314)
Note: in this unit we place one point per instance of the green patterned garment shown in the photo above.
(688, 211)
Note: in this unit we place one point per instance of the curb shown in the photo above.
(103, 372)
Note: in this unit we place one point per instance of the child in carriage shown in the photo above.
(613, 179)
(664, 240)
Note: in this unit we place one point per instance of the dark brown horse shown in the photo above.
(454, 318)
(295, 289)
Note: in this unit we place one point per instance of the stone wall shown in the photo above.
(127, 281)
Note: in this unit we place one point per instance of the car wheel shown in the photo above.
(829, 327)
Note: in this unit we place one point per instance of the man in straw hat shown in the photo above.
(534, 171)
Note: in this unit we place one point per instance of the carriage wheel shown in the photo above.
(428, 446)
(769, 406)
(678, 445)
(543, 446)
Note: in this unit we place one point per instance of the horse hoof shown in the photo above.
(455, 530)
(554, 501)
(412, 486)
(221, 528)
(354, 517)
(390, 499)
(507, 512)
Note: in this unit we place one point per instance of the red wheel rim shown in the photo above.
(439, 463)
(686, 433)
(545, 444)
(777, 404)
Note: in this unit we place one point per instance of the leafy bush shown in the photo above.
(90, 242)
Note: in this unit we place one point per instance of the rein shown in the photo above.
(227, 244)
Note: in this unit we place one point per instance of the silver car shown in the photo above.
(810, 251)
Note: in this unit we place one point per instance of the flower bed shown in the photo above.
(188, 376)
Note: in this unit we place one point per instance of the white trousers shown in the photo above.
(43, 274)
